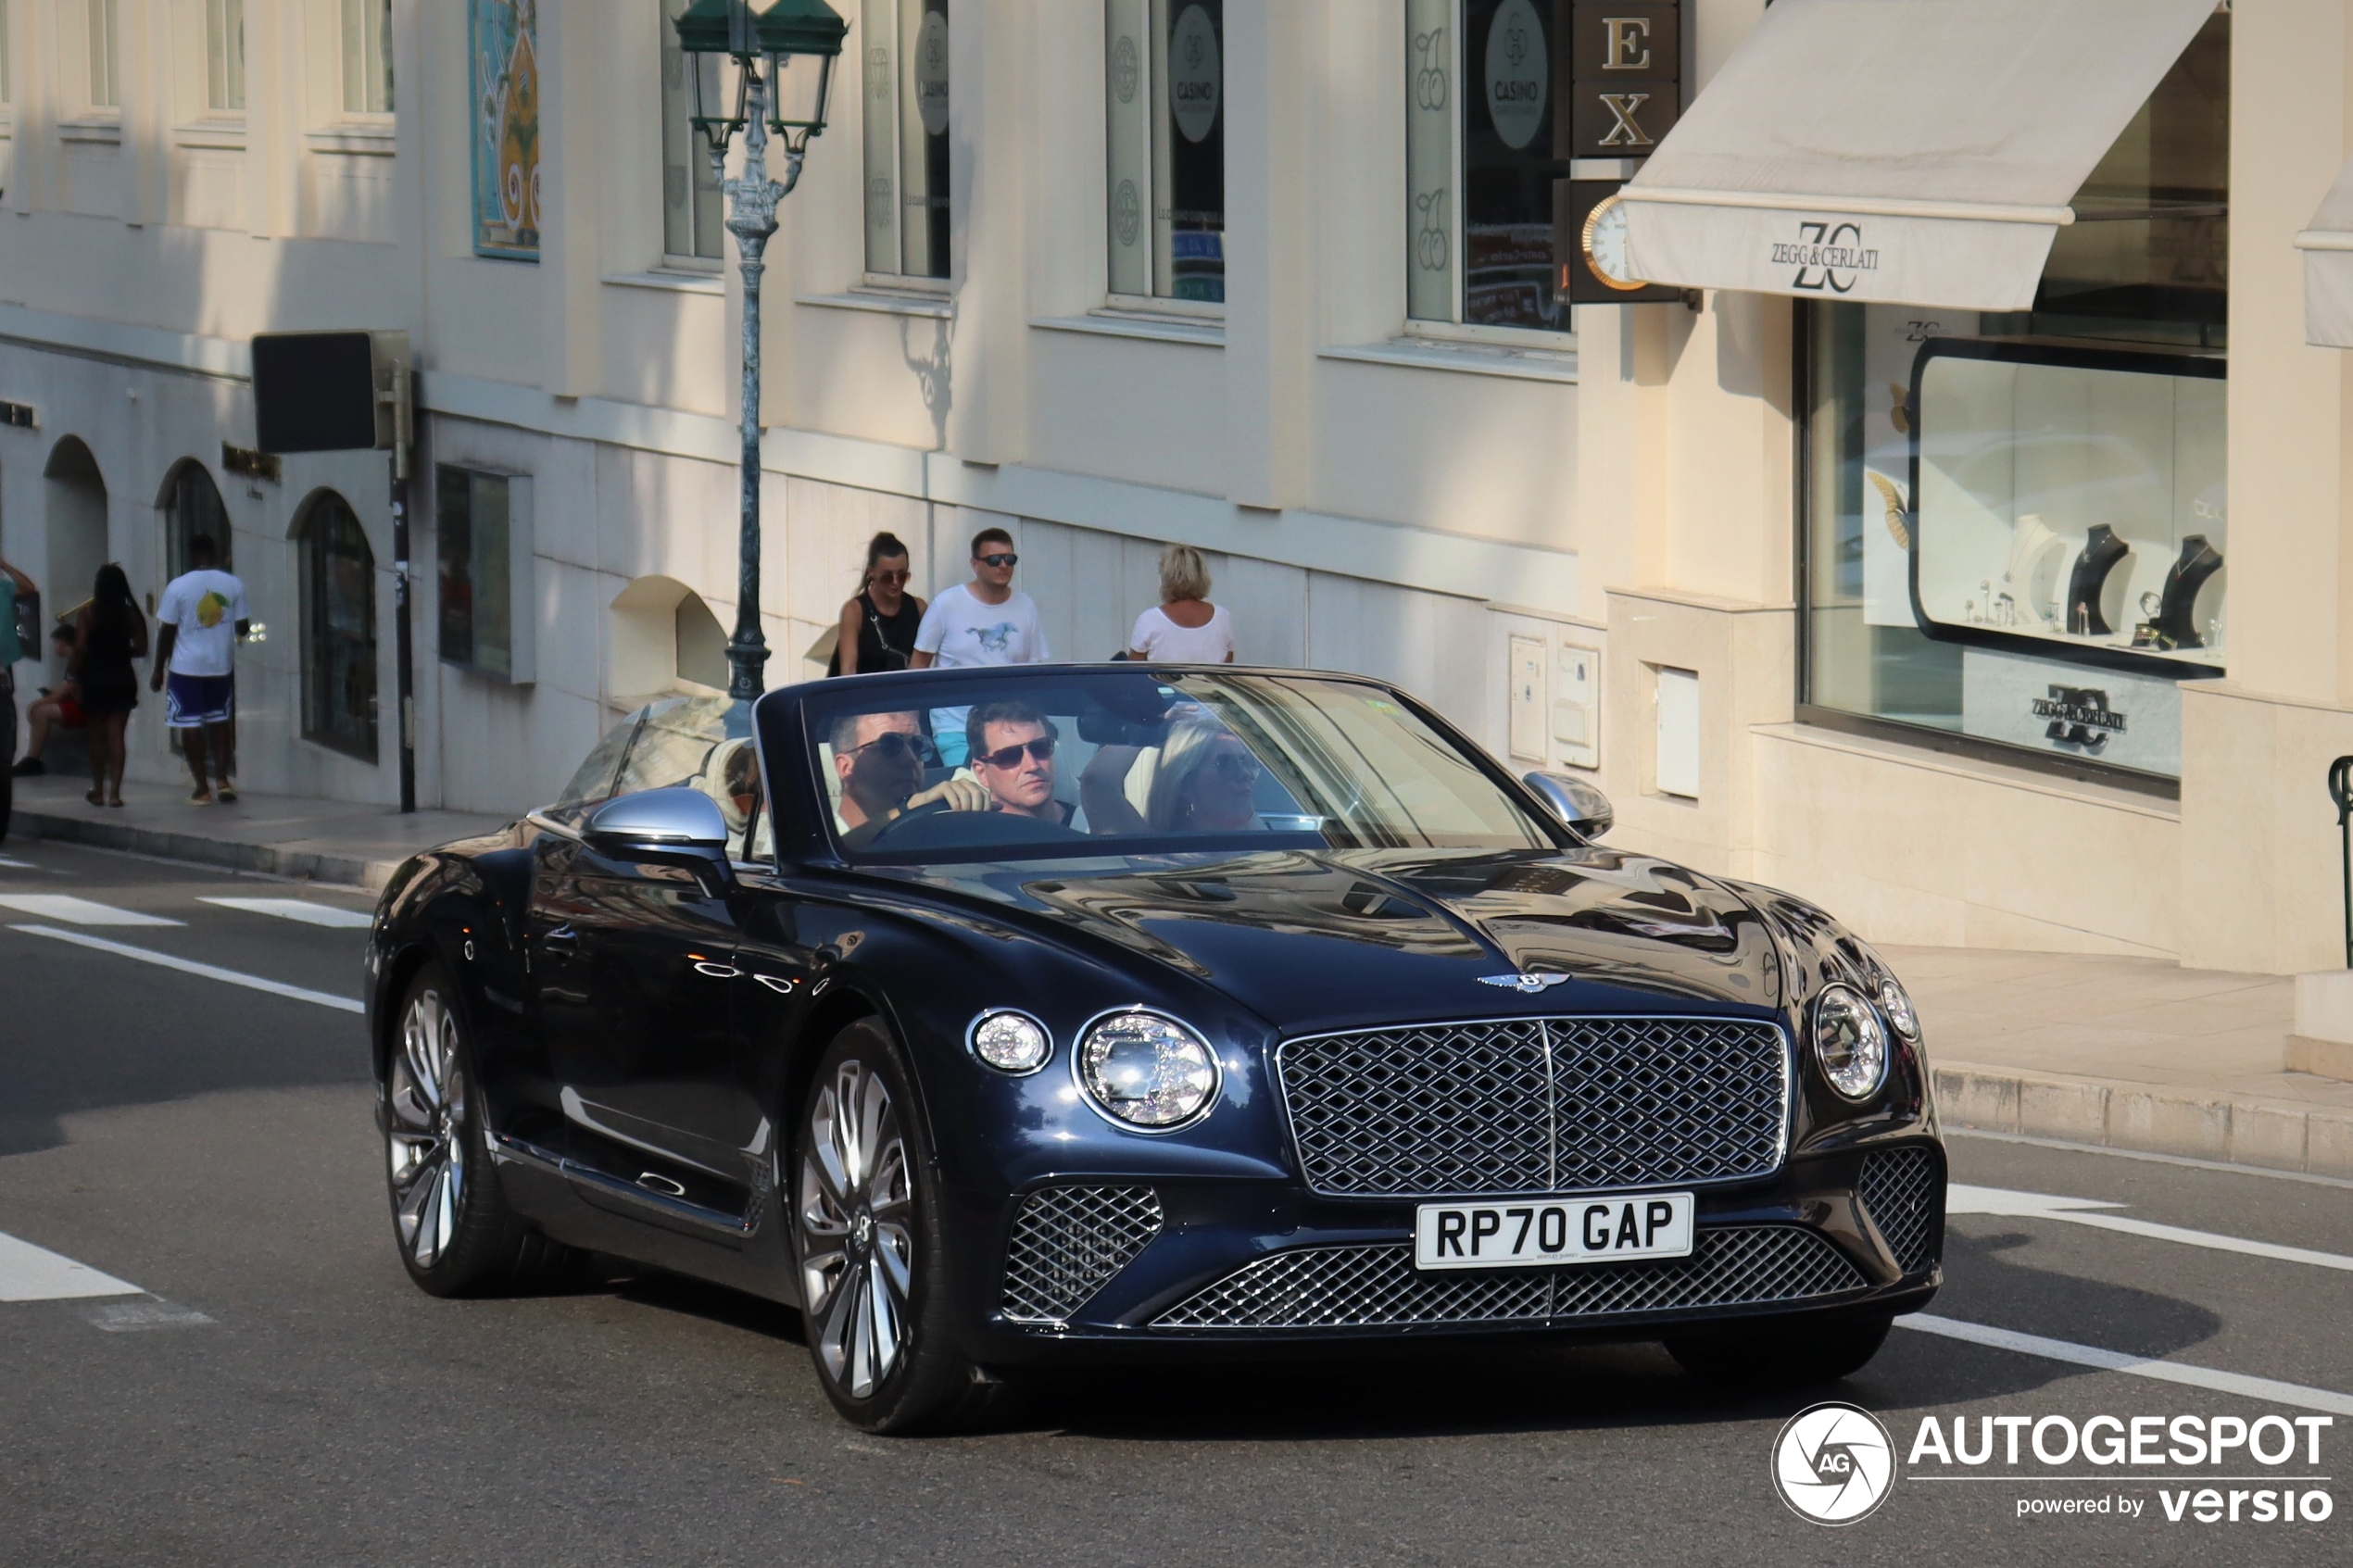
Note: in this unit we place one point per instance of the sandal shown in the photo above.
(92, 796)
(201, 798)
(225, 792)
(116, 801)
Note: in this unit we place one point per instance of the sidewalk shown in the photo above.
(278, 836)
(2121, 1052)
(2126, 1053)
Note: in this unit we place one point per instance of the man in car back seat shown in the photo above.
(880, 759)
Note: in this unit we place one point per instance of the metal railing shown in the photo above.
(2341, 791)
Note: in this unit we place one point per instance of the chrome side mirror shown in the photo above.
(1586, 810)
(675, 826)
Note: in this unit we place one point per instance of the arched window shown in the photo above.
(192, 506)
(664, 638)
(702, 643)
(76, 524)
(338, 629)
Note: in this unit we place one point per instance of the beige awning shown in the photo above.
(1921, 151)
(2327, 244)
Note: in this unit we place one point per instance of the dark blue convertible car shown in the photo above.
(999, 1017)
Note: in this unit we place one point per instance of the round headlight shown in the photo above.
(1898, 1005)
(1147, 1071)
(1011, 1041)
(1849, 1042)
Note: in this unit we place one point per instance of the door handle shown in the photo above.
(774, 984)
(717, 971)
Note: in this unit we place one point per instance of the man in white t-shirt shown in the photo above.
(204, 618)
(987, 621)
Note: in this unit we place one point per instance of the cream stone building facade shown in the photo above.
(1282, 278)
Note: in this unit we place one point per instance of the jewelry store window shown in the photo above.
(2015, 536)
(902, 47)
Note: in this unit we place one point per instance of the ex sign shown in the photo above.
(1627, 91)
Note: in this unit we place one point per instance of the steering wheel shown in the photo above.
(934, 826)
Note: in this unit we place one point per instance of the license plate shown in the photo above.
(1552, 1232)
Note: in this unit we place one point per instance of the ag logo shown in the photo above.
(1834, 1463)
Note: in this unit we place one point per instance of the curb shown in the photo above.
(2151, 1118)
(269, 859)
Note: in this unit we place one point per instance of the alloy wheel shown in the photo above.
(425, 1144)
(857, 1230)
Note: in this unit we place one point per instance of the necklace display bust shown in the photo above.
(2102, 551)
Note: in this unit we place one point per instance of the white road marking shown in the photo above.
(18, 865)
(1962, 1199)
(35, 1274)
(298, 908)
(2212, 1378)
(76, 911)
(130, 1317)
(186, 966)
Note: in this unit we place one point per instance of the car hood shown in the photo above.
(1339, 938)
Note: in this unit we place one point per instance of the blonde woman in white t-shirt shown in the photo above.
(1184, 628)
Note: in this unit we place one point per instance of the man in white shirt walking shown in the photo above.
(987, 621)
(204, 618)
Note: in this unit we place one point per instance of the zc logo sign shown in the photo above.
(2078, 716)
(1827, 256)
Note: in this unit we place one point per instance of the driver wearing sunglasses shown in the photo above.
(880, 759)
(1012, 752)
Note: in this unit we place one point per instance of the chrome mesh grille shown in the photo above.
(1379, 1287)
(1901, 1190)
(1067, 1242)
(1536, 1105)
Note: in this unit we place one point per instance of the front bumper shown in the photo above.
(1095, 1265)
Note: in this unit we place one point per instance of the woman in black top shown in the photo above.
(110, 634)
(878, 626)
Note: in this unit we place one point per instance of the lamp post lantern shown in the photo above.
(784, 59)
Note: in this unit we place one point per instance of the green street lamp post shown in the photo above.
(783, 60)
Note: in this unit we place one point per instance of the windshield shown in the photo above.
(1037, 765)
(701, 742)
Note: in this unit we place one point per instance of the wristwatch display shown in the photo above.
(2102, 550)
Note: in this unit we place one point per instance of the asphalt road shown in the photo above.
(270, 1389)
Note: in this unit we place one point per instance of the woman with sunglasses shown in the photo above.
(878, 626)
(1203, 778)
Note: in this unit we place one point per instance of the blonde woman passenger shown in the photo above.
(1204, 780)
(1184, 628)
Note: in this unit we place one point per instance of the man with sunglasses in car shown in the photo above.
(1011, 751)
(987, 621)
(880, 759)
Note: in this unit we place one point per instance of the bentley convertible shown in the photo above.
(1004, 1018)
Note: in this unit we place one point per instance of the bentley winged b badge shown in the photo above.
(1526, 985)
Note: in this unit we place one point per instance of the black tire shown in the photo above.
(450, 1219)
(863, 1218)
(1780, 1353)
